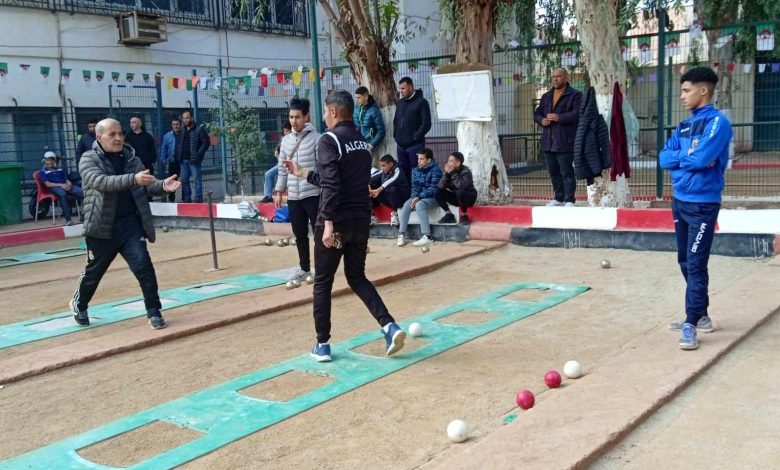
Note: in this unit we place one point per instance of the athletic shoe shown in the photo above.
(373, 219)
(401, 240)
(321, 352)
(688, 338)
(68, 223)
(554, 203)
(464, 219)
(704, 325)
(299, 275)
(267, 199)
(569, 204)
(156, 320)
(449, 218)
(394, 338)
(424, 240)
(393, 218)
(82, 318)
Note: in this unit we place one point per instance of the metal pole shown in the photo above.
(211, 229)
(158, 89)
(222, 142)
(315, 55)
(660, 137)
(195, 110)
(110, 102)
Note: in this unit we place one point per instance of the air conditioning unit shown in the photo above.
(142, 29)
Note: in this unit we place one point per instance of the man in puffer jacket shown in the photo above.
(457, 188)
(368, 118)
(303, 198)
(425, 181)
(697, 155)
(117, 218)
(591, 145)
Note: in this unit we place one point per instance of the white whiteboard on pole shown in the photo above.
(463, 96)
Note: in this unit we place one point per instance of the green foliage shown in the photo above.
(241, 129)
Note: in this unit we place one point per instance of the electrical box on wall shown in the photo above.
(142, 29)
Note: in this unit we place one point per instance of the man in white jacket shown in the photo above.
(303, 198)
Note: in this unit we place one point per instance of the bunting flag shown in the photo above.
(284, 91)
(130, 77)
(746, 68)
(411, 66)
(322, 73)
(297, 93)
(263, 81)
(195, 81)
(433, 64)
(170, 83)
(145, 78)
(188, 84)
(86, 75)
(3, 72)
(765, 37)
(311, 75)
(672, 44)
(296, 77)
(645, 49)
(274, 91)
(569, 56)
(65, 76)
(726, 35)
(232, 83)
(45, 74)
(115, 77)
(99, 75)
(307, 93)
(261, 90)
(24, 68)
(280, 77)
(625, 48)
(182, 82)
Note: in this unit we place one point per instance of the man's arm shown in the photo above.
(328, 176)
(670, 156)
(429, 190)
(425, 121)
(572, 116)
(379, 125)
(203, 144)
(539, 113)
(464, 180)
(444, 182)
(713, 142)
(281, 177)
(93, 176)
(392, 179)
(165, 149)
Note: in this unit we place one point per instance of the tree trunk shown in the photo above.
(597, 30)
(478, 141)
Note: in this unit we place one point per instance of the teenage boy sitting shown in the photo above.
(390, 187)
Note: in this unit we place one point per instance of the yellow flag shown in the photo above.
(296, 77)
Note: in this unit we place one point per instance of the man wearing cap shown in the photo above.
(54, 178)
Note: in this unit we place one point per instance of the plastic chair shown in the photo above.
(43, 194)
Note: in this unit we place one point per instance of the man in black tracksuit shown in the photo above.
(343, 222)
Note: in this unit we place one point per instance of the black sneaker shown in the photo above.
(464, 219)
(82, 318)
(267, 199)
(449, 218)
(156, 320)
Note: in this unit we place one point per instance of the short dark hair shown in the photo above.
(458, 156)
(406, 80)
(701, 75)
(361, 90)
(426, 152)
(343, 102)
(387, 159)
(186, 111)
(93, 120)
(176, 119)
(300, 104)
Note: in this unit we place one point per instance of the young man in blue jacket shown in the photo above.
(368, 118)
(170, 152)
(697, 155)
(425, 183)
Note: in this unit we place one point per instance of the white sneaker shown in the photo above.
(554, 203)
(373, 219)
(424, 240)
(299, 275)
(393, 219)
(569, 204)
(401, 240)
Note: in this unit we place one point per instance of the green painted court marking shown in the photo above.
(49, 326)
(27, 258)
(223, 414)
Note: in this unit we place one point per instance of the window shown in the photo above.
(191, 6)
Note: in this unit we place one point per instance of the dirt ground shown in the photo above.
(739, 393)
(398, 421)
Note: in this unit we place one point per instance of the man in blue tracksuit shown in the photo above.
(697, 155)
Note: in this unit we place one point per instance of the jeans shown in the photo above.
(459, 197)
(270, 181)
(407, 158)
(75, 191)
(560, 166)
(421, 208)
(128, 239)
(187, 168)
(694, 227)
(354, 243)
(303, 213)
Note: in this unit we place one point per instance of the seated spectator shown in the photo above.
(273, 172)
(424, 185)
(54, 178)
(389, 187)
(457, 188)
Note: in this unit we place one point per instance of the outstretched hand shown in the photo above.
(171, 184)
(143, 178)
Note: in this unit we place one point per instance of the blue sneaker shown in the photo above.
(394, 338)
(321, 352)
(688, 338)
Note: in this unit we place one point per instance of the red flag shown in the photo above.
(175, 82)
(280, 77)
(264, 80)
